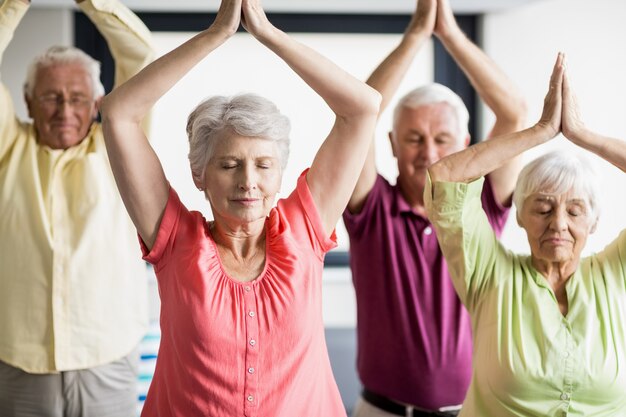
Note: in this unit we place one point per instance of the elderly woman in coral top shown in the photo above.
(242, 331)
(549, 328)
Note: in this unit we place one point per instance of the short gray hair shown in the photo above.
(558, 172)
(432, 94)
(63, 55)
(246, 114)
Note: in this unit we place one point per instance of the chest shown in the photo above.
(536, 351)
(203, 303)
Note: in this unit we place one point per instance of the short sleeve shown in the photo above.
(166, 233)
(358, 223)
(298, 216)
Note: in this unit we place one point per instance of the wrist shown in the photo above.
(417, 35)
(544, 131)
(579, 134)
(270, 35)
(451, 36)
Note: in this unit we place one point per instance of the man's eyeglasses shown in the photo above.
(54, 101)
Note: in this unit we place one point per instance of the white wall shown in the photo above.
(525, 42)
(39, 29)
(307, 6)
(244, 65)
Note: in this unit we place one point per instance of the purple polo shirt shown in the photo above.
(414, 335)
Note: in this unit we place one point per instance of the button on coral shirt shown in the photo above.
(233, 348)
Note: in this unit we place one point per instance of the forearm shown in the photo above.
(346, 96)
(610, 149)
(127, 37)
(496, 89)
(387, 77)
(134, 99)
(481, 159)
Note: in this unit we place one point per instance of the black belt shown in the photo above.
(398, 409)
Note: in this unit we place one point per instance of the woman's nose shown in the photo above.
(559, 221)
(248, 180)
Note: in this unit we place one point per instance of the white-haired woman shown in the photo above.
(242, 330)
(549, 328)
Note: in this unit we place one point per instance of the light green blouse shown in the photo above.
(530, 360)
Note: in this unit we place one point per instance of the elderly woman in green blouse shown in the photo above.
(549, 328)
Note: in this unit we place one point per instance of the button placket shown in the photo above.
(252, 351)
(568, 367)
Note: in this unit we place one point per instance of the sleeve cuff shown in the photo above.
(442, 197)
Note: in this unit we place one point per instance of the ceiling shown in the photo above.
(309, 6)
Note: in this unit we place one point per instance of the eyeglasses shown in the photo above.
(54, 101)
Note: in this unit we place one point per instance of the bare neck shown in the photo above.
(557, 274)
(413, 195)
(241, 241)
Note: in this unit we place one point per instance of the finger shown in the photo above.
(567, 86)
(557, 72)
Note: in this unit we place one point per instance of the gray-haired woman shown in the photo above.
(242, 330)
(549, 328)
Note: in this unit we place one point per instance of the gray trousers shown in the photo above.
(103, 391)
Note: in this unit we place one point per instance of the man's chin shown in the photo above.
(63, 141)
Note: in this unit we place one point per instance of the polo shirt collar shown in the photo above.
(401, 206)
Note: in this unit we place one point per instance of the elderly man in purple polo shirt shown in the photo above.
(414, 337)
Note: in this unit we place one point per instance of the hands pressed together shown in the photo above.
(560, 108)
(434, 17)
(248, 13)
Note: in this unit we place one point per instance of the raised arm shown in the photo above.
(494, 88)
(610, 149)
(127, 37)
(11, 13)
(137, 169)
(339, 161)
(482, 158)
(386, 78)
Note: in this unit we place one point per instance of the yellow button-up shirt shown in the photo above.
(72, 282)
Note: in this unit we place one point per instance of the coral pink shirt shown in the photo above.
(231, 348)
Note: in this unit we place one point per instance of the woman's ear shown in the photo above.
(199, 185)
(519, 220)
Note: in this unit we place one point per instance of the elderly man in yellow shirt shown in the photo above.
(72, 282)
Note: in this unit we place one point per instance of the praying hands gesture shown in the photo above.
(560, 115)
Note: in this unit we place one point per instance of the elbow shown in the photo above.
(516, 114)
(372, 102)
(107, 108)
(112, 109)
(365, 105)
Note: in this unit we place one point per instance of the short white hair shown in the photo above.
(558, 172)
(64, 55)
(432, 94)
(248, 115)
